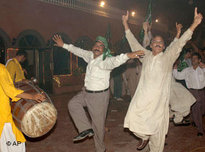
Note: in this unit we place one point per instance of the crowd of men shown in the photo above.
(151, 93)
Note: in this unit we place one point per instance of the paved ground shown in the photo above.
(179, 139)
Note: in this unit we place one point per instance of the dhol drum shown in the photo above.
(32, 118)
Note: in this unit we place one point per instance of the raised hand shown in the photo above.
(136, 54)
(146, 26)
(178, 28)
(201, 65)
(59, 42)
(197, 19)
(125, 18)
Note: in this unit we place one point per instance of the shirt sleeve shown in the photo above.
(179, 75)
(8, 86)
(86, 55)
(173, 50)
(113, 62)
(134, 44)
(11, 67)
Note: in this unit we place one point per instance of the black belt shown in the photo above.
(89, 91)
(197, 89)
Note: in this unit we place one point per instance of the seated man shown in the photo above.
(8, 130)
(14, 67)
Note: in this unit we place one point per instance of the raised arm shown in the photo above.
(179, 30)
(147, 34)
(174, 49)
(86, 55)
(134, 44)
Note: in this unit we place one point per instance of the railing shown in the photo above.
(93, 8)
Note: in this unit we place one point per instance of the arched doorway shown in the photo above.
(38, 60)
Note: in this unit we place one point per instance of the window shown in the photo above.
(61, 58)
(85, 43)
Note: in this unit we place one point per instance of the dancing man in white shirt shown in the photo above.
(194, 77)
(148, 113)
(95, 94)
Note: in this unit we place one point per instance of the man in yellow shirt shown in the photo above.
(14, 67)
(11, 139)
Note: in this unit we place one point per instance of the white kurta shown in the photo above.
(181, 99)
(149, 108)
(8, 141)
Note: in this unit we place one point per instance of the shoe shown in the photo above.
(119, 99)
(171, 119)
(193, 124)
(142, 144)
(200, 134)
(182, 123)
(87, 133)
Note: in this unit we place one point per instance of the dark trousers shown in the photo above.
(198, 109)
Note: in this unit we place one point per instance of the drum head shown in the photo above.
(39, 120)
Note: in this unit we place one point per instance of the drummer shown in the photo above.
(11, 139)
(14, 67)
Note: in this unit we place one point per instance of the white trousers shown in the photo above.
(156, 141)
(8, 141)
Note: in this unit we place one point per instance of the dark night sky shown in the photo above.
(167, 11)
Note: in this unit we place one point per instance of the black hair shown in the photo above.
(196, 54)
(21, 52)
(158, 36)
(188, 50)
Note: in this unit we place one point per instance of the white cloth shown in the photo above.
(149, 108)
(180, 101)
(8, 141)
(132, 74)
(8, 61)
(195, 79)
(98, 71)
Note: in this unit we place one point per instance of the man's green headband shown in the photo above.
(106, 52)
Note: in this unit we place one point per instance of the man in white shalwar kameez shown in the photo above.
(181, 99)
(148, 113)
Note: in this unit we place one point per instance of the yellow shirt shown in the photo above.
(7, 90)
(15, 70)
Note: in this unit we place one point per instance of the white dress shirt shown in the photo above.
(195, 79)
(98, 71)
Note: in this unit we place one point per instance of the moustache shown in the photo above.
(158, 46)
(96, 50)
